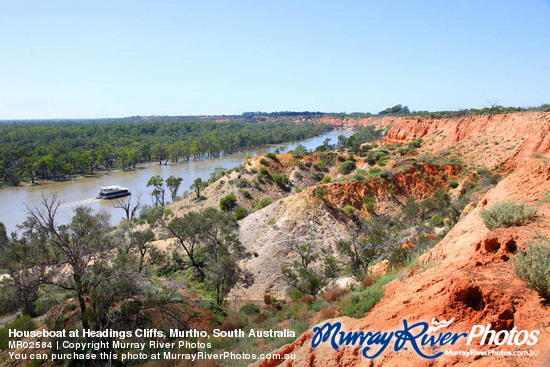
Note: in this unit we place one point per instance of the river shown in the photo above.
(82, 191)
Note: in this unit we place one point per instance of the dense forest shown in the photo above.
(54, 150)
(57, 149)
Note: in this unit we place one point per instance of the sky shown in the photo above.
(94, 59)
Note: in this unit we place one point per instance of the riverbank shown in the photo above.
(83, 190)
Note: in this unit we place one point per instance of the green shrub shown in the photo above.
(298, 189)
(362, 301)
(242, 182)
(452, 183)
(246, 194)
(320, 192)
(24, 323)
(416, 144)
(369, 202)
(359, 177)
(154, 214)
(264, 173)
(240, 213)
(281, 179)
(271, 155)
(341, 158)
(263, 161)
(347, 167)
(375, 172)
(495, 179)
(436, 220)
(326, 180)
(349, 210)
(533, 267)
(228, 202)
(250, 309)
(388, 173)
(507, 214)
(318, 176)
(264, 202)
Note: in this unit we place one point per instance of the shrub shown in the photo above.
(264, 172)
(369, 202)
(233, 321)
(326, 179)
(436, 220)
(264, 202)
(250, 309)
(334, 294)
(375, 172)
(228, 202)
(281, 179)
(263, 161)
(246, 194)
(298, 189)
(24, 323)
(495, 179)
(349, 210)
(388, 173)
(507, 214)
(533, 267)
(320, 192)
(240, 214)
(416, 144)
(153, 214)
(452, 183)
(318, 176)
(242, 182)
(363, 301)
(271, 155)
(359, 177)
(346, 168)
(341, 158)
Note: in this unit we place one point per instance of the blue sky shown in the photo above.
(85, 59)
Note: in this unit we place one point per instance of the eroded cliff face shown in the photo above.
(490, 140)
(303, 218)
(467, 276)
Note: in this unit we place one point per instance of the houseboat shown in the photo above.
(113, 192)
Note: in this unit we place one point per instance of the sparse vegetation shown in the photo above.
(507, 214)
(533, 267)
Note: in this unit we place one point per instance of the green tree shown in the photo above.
(157, 183)
(301, 276)
(197, 186)
(141, 242)
(173, 184)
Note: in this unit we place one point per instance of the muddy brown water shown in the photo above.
(83, 191)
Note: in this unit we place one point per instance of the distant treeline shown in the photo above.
(54, 150)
